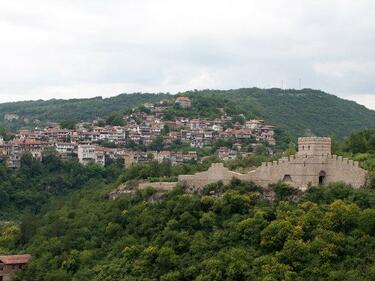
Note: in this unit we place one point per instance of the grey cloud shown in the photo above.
(55, 48)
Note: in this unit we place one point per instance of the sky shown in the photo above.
(75, 49)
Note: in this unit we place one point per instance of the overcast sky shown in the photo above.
(77, 48)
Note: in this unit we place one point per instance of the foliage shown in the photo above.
(68, 124)
(77, 110)
(115, 119)
(294, 112)
(361, 142)
(6, 134)
(28, 189)
(235, 236)
(229, 232)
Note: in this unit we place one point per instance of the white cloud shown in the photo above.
(367, 100)
(85, 48)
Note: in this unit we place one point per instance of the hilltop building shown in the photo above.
(11, 116)
(184, 102)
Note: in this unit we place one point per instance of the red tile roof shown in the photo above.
(27, 142)
(183, 99)
(15, 259)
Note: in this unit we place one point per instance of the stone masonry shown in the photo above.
(312, 165)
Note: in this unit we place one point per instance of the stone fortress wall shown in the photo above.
(312, 165)
(217, 172)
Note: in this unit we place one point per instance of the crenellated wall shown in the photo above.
(299, 172)
(217, 172)
(302, 171)
(312, 165)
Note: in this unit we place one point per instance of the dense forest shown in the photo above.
(298, 112)
(60, 212)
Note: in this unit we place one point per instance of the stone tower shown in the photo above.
(314, 146)
(313, 165)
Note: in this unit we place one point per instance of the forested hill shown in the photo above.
(301, 112)
(60, 213)
(55, 110)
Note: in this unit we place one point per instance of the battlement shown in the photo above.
(307, 159)
(314, 146)
(314, 139)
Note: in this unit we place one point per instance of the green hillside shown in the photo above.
(301, 112)
(59, 212)
(55, 110)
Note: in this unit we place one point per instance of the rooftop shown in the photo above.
(15, 259)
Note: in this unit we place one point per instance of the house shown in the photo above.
(9, 265)
(217, 128)
(254, 124)
(16, 148)
(14, 159)
(148, 105)
(164, 155)
(225, 153)
(11, 116)
(90, 153)
(267, 134)
(65, 149)
(184, 102)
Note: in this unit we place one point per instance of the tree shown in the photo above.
(68, 124)
(115, 119)
(157, 143)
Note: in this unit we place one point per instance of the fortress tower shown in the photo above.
(313, 165)
(314, 146)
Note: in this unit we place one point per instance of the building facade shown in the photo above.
(184, 102)
(91, 153)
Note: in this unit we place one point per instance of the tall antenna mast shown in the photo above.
(300, 83)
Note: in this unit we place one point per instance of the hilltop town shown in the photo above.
(140, 135)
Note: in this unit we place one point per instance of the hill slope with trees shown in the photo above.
(60, 212)
(301, 112)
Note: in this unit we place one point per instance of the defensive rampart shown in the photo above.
(312, 165)
(300, 172)
(217, 172)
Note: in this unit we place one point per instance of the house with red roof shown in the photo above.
(9, 265)
(184, 102)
